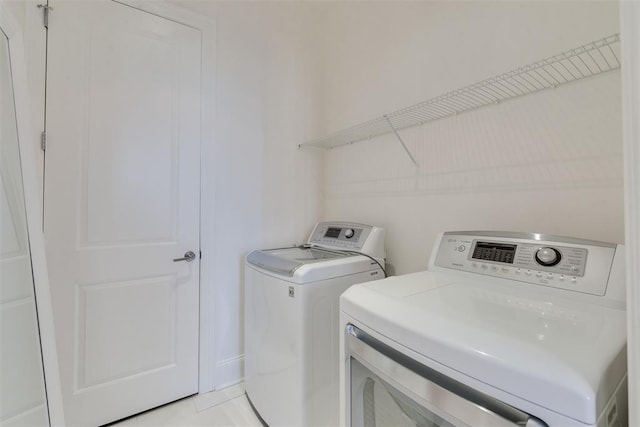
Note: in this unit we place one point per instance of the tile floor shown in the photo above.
(228, 407)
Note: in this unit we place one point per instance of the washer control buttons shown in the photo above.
(548, 256)
(348, 233)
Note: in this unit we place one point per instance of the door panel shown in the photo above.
(109, 349)
(130, 182)
(121, 202)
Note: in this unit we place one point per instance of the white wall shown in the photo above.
(267, 192)
(549, 162)
(290, 71)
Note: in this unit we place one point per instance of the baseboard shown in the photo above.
(228, 372)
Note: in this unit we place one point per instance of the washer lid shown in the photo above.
(565, 356)
(286, 261)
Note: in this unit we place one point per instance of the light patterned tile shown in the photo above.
(208, 400)
(129, 422)
(171, 415)
(232, 413)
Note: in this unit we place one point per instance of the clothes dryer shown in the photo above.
(504, 329)
(291, 320)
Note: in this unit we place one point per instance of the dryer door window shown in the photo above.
(375, 402)
(387, 388)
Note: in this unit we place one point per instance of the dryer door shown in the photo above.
(387, 388)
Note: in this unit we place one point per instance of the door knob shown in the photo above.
(188, 256)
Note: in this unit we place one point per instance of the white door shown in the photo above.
(121, 202)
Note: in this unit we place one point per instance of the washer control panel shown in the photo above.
(560, 262)
(341, 235)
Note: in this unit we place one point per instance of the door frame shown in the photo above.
(630, 34)
(207, 28)
(33, 210)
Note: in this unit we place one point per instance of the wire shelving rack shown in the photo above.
(576, 64)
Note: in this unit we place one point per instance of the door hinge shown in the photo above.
(45, 14)
(43, 141)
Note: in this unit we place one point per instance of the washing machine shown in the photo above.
(291, 320)
(503, 329)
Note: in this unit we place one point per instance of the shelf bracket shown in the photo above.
(401, 141)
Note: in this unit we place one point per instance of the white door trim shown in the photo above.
(34, 216)
(630, 35)
(207, 27)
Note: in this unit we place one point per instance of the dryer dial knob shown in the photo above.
(548, 256)
(348, 233)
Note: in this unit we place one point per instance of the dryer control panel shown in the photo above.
(559, 262)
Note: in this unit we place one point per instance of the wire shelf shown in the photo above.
(576, 64)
